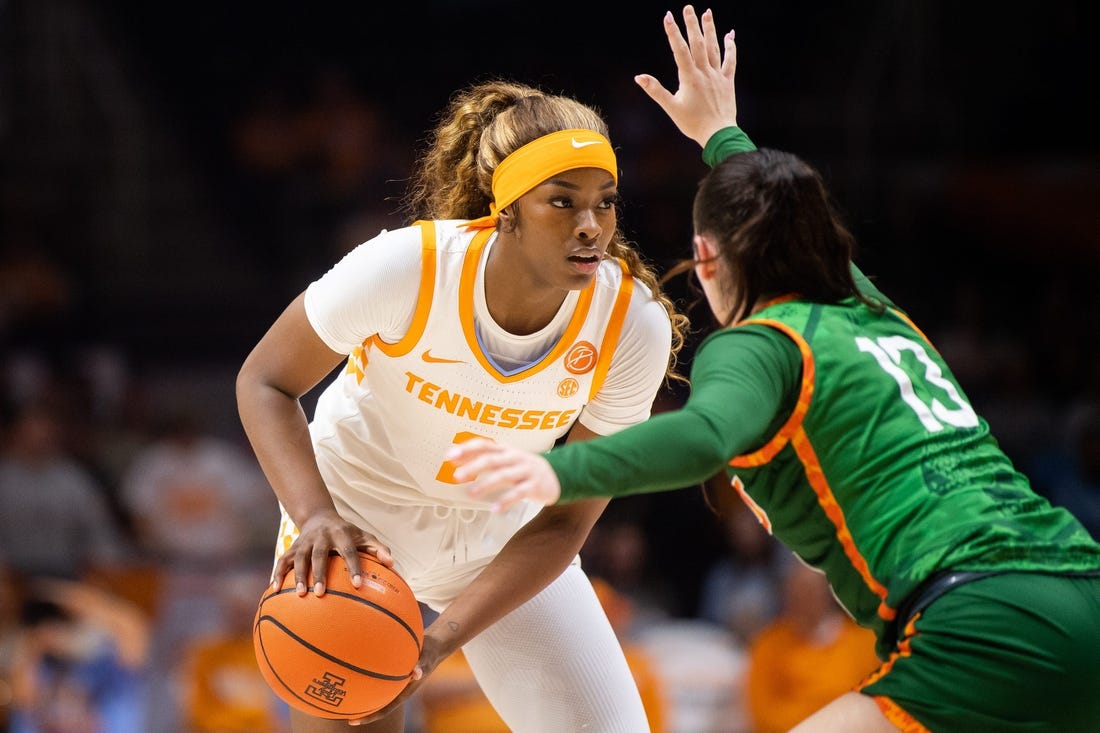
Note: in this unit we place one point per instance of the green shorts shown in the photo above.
(1007, 653)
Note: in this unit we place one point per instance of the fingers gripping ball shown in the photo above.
(346, 654)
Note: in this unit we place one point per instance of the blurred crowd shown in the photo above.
(136, 538)
(132, 560)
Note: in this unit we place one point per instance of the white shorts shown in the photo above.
(438, 550)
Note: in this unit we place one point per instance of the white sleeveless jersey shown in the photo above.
(385, 424)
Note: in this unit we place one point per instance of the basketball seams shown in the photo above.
(322, 653)
(358, 599)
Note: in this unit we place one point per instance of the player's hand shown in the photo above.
(318, 537)
(431, 654)
(705, 101)
(509, 474)
(414, 682)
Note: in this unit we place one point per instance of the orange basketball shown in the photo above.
(346, 654)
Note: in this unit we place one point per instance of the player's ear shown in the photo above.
(706, 257)
(507, 220)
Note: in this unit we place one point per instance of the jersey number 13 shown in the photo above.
(888, 351)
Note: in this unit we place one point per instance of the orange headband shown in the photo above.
(542, 158)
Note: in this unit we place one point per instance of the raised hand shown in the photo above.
(705, 101)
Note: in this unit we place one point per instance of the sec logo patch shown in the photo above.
(568, 387)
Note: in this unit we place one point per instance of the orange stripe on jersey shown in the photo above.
(614, 327)
(904, 649)
(423, 300)
(466, 295)
(805, 393)
(827, 500)
(902, 317)
(902, 720)
(466, 316)
(793, 432)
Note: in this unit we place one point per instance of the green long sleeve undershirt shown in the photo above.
(740, 380)
(744, 382)
(725, 143)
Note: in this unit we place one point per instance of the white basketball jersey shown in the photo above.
(385, 425)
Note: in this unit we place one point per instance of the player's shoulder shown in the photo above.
(400, 240)
(644, 311)
(611, 274)
(388, 251)
(451, 235)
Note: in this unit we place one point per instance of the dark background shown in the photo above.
(174, 173)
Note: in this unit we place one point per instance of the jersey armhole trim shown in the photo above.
(614, 327)
(423, 298)
(805, 394)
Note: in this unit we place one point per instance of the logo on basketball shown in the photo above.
(329, 689)
(581, 359)
(568, 387)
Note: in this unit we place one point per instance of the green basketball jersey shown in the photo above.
(884, 474)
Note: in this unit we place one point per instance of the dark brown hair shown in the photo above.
(777, 231)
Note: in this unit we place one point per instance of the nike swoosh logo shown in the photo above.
(578, 144)
(427, 356)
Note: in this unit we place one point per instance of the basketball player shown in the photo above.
(839, 424)
(512, 309)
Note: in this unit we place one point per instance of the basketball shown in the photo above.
(346, 654)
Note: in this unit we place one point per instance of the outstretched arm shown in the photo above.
(515, 473)
(705, 101)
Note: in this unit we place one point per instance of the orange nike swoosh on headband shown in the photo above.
(427, 356)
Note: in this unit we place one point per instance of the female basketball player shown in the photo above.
(512, 309)
(842, 428)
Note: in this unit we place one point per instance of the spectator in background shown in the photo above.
(810, 654)
(56, 520)
(314, 145)
(11, 606)
(223, 690)
(37, 296)
(202, 510)
(197, 498)
(741, 588)
(79, 662)
(617, 552)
